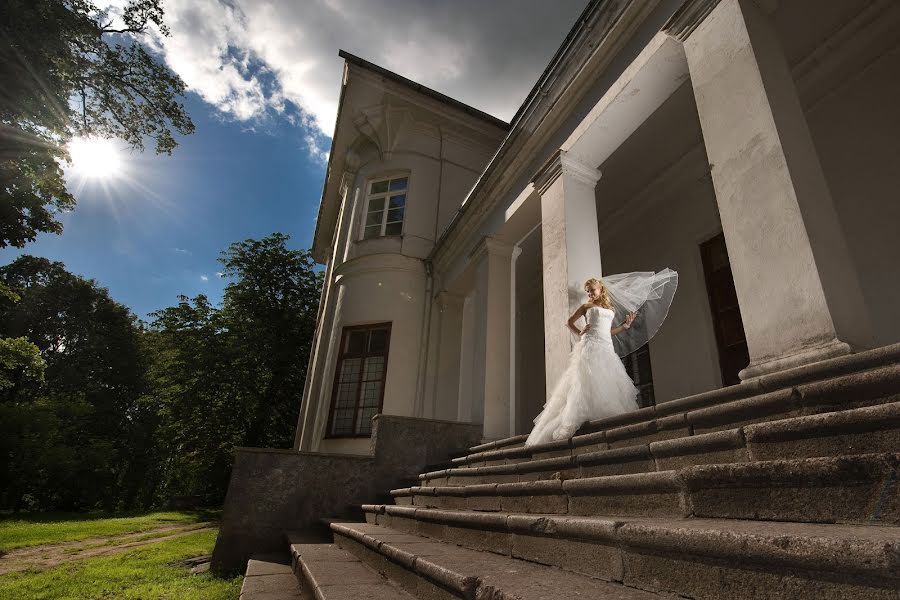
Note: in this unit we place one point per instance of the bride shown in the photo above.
(595, 383)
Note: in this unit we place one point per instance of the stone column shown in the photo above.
(445, 391)
(513, 344)
(467, 349)
(494, 281)
(799, 295)
(570, 249)
(309, 425)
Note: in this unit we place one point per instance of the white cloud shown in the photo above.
(251, 58)
(204, 278)
(182, 251)
(220, 274)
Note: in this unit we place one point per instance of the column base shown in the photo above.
(831, 349)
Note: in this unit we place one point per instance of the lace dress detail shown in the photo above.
(594, 384)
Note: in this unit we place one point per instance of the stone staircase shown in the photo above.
(785, 488)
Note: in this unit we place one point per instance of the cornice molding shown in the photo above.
(606, 29)
(492, 247)
(563, 163)
(378, 263)
(687, 18)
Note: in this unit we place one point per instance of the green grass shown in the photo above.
(52, 528)
(146, 573)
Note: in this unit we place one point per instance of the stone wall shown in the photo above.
(274, 491)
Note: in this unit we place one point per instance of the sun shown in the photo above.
(96, 158)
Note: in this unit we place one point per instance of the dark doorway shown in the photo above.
(726, 315)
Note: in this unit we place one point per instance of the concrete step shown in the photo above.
(682, 418)
(861, 374)
(328, 572)
(433, 569)
(844, 489)
(696, 558)
(270, 577)
(851, 431)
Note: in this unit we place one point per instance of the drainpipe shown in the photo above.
(425, 340)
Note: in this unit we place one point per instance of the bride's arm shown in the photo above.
(575, 316)
(629, 318)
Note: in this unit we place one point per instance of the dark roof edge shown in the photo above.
(352, 58)
(334, 134)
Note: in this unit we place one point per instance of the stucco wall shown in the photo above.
(856, 128)
(272, 492)
(383, 280)
(683, 355)
(656, 205)
(530, 391)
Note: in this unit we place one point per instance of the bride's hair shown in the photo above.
(603, 299)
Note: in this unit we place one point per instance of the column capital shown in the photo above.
(492, 247)
(563, 163)
(348, 178)
(689, 15)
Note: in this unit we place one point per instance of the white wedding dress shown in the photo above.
(594, 384)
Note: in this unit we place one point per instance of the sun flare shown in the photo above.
(96, 158)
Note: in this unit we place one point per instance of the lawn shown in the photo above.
(149, 572)
(144, 573)
(52, 528)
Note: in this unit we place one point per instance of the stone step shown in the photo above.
(696, 558)
(328, 572)
(836, 377)
(844, 489)
(851, 431)
(270, 577)
(858, 431)
(433, 569)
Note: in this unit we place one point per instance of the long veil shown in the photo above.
(646, 293)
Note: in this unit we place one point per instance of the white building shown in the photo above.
(750, 145)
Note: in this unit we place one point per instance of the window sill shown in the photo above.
(380, 245)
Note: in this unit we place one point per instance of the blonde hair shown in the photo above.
(603, 298)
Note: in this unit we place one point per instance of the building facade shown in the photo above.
(751, 145)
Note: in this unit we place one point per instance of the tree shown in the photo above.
(271, 306)
(65, 439)
(233, 376)
(20, 360)
(67, 71)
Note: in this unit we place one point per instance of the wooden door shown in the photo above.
(726, 314)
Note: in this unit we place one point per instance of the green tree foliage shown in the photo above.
(67, 71)
(20, 360)
(128, 416)
(65, 438)
(233, 376)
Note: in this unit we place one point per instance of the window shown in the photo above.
(385, 206)
(637, 364)
(359, 380)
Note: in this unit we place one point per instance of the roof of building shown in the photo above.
(352, 58)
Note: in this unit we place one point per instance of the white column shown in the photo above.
(570, 247)
(309, 425)
(466, 389)
(513, 399)
(445, 392)
(799, 295)
(495, 257)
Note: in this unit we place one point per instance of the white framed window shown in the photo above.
(385, 206)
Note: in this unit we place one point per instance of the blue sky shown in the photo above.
(157, 233)
(264, 81)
